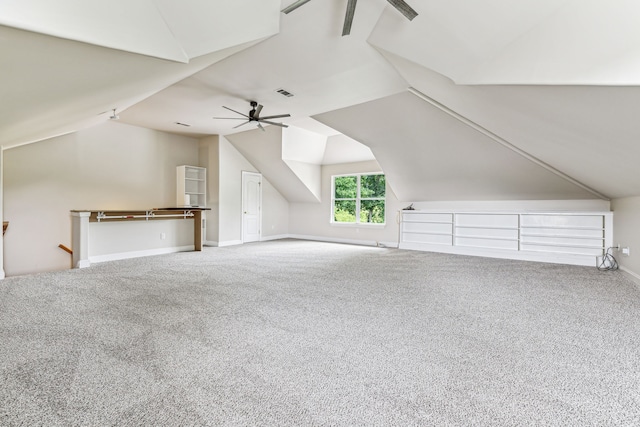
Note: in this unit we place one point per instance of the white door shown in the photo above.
(251, 206)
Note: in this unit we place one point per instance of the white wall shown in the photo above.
(110, 166)
(309, 174)
(230, 193)
(274, 205)
(127, 239)
(626, 232)
(313, 220)
(264, 151)
(303, 151)
(275, 212)
(209, 156)
(2, 274)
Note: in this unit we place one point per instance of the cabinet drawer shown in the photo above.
(487, 232)
(562, 221)
(487, 243)
(426, 227)
(427, 217)
(435, 239)
(575, 250)
(488, 220)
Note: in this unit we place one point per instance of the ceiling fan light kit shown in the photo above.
(400, 5)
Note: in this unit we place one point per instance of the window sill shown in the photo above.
(354, 225)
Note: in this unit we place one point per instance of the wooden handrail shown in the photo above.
(66, 249)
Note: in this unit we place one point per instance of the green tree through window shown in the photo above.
(359, 199)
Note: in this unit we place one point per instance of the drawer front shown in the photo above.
(495, 233)
(426, 227)
(487, 220)
(486, 243)
(436, 239)
(427, 217)
(576, 250)
(562, 221)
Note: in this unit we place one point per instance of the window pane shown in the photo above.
(372, 211)
(344, 211)
(372, 186)
(346, 187)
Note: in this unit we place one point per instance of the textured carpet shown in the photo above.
(295, 333)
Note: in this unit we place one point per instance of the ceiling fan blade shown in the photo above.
(274, 123)
(294, 6)
(404, 8)
(229, 118)
(261, 128)
(348, 17)
(277, 116)
(237, 112)
(241, 124)
(256, 115)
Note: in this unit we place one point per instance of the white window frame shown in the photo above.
(358, 199)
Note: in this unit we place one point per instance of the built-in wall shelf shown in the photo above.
(191, 185)
(560, 237)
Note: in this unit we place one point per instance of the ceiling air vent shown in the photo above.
(285, 93)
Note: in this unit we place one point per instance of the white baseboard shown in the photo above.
(229, 243)
(552, 258)
(275, 237)
(210, 243)
(346, 241)
(634, 277)
(137, 254)
(83, 263)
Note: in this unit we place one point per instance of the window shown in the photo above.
(358, 199)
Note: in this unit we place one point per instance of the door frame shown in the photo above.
(245, 174)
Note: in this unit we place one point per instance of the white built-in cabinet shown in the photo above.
(561, 237)
(191, 186)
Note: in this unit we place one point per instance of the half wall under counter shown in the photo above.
(107, 235)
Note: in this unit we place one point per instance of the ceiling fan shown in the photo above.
(254, 116)
(400, 5)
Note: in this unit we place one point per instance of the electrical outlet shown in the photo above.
(163, 236)
(625, 251)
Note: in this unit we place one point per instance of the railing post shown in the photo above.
(80, 239)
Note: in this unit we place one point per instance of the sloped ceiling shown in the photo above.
(430, 155)
(79, 60)
(264, 151)
(557, 79)
(545, 42)
(52, 86)
(308, 58)
(166, 29)
(589, 133)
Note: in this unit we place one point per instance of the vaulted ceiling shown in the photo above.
(509, 100)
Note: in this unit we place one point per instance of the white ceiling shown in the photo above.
(555, 78)
(177, 31)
